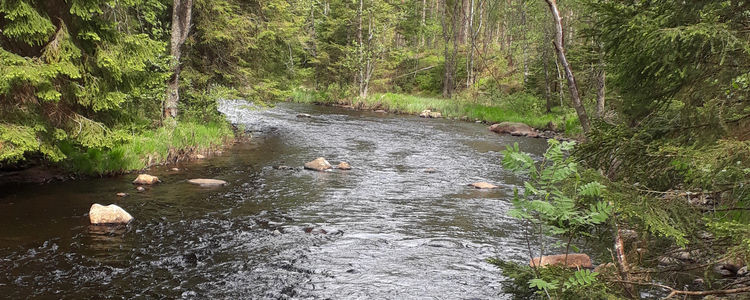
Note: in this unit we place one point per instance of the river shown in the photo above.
(383, 230)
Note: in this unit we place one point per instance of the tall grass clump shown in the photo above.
(149, 148)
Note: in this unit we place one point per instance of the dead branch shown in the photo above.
(673, 292)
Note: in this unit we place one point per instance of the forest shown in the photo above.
(655, 91)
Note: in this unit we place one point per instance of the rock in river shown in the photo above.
(484, 185)
(344, 166)
(146, 179)
(208, 182)
(520, 129)
(430, 114)
(319, 164)
(110, 214)
(574, 260)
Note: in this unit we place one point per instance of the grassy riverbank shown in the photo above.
(521, 108)
(165, 144)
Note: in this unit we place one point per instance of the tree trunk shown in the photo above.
(446, 40)
(600, 84)
(457, 20)
(525, 46)
(313, 42)
(548, 90)
(572, 86)
(361, 59)
(181, 13)
(470, 53)
(422, 24)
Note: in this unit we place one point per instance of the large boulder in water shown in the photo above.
(319, 164)
(208, 182)
(574, 260)
(146, 179)
(110, 214)
(512, 128)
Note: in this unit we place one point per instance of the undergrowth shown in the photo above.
(519, 107)
(149, 148)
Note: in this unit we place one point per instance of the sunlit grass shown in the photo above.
(150, 148)
(523, 109)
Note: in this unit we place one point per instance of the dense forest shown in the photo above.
(657, 92)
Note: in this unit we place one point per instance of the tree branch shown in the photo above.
(674, 291)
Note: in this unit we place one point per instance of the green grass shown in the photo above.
(520, 107)
(150, 148)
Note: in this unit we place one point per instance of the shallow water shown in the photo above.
(383, 230)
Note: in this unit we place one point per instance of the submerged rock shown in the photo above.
(110, 214)
(518, 129)
(430, 170)
(208, 182)
(574, 260)
(122, 194)
(344, 166)
(303, 116)
(484, 185)
(146, 179)
(140, 189)
(319, 164)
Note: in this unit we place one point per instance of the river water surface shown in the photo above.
(383, 230)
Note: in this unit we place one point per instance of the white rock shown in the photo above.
(110, 214)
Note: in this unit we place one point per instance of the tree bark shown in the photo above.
(446, 39)
(572, 86)
(470, 53)
(600, 84)
(181, 13)
(360, 49)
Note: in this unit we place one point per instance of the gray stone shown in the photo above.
(518, 129)
(319, 164)
(208, 182)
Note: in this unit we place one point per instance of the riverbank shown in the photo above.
(167, 144)
(519, 109)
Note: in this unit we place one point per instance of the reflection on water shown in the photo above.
(385, 229)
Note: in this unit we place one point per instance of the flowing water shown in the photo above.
(383, 230)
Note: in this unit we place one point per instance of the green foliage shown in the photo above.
(149, 148)
(549, 209)
(524, 283)
(82, 80)
(544, 202)
(664, 51)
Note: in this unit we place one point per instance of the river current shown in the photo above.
(383, 230)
